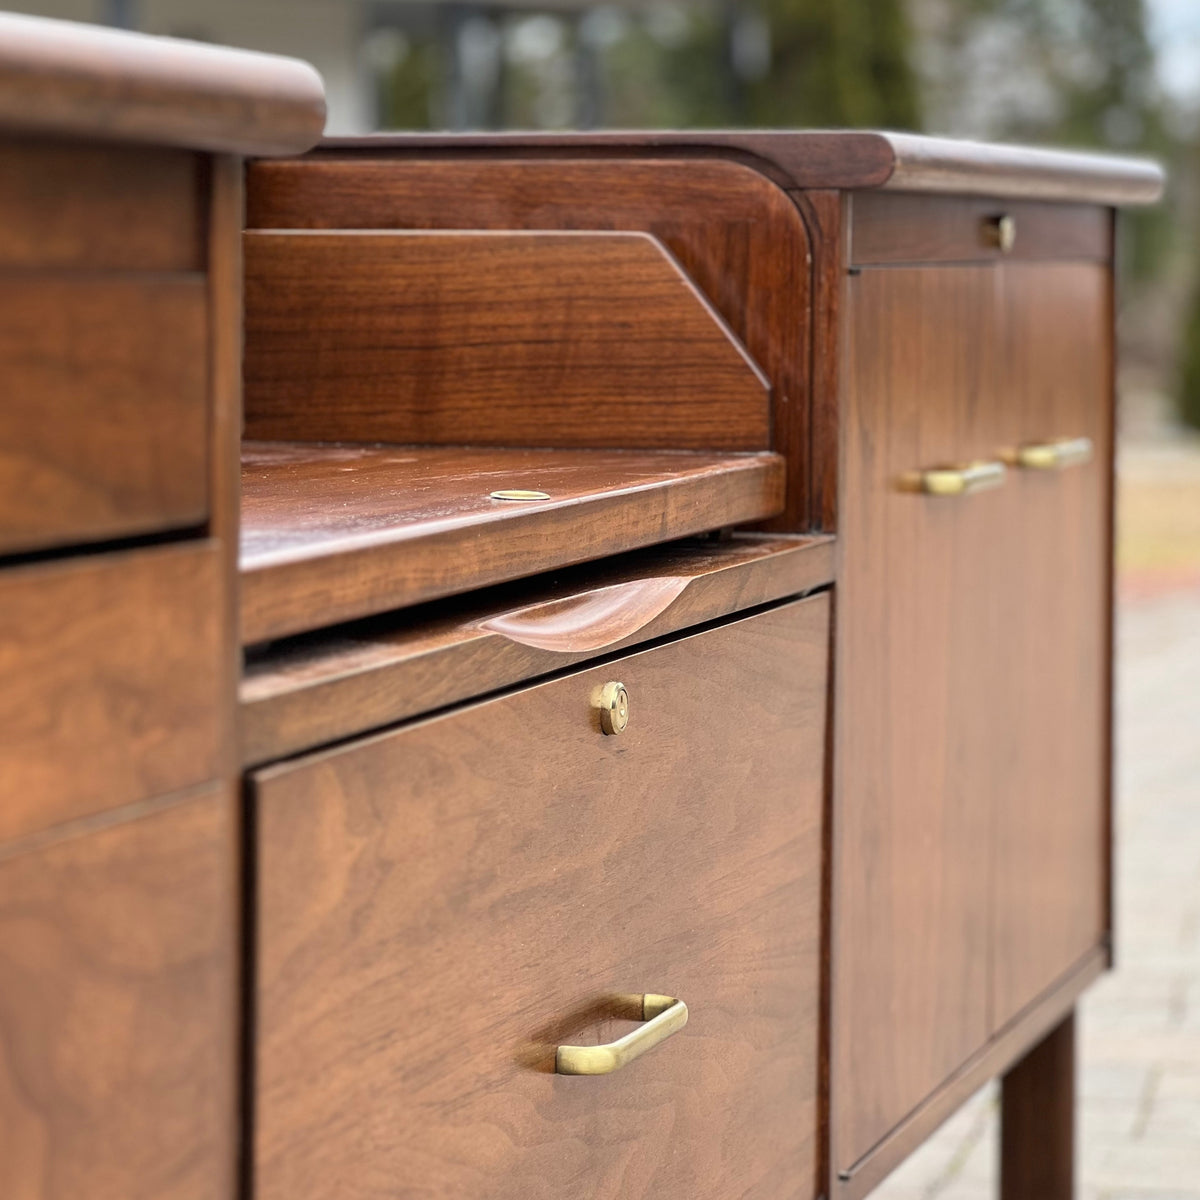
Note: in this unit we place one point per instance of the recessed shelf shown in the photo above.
(333, 532)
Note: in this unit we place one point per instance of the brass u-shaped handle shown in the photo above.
(664, 1015)
(1053, 456)
(960, 481)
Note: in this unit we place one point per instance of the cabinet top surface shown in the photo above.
(844, 159)
(64, 79)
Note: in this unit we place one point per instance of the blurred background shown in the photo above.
(1115, 74)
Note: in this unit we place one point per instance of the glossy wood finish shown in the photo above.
(840, 159)
(497, 339)
(1037, 1120)
(321, 689)
(116, 953)
(331, 533)
(110, 669)
(76, 206)
(889, 227)
(439, 906)
(737, 236)
(1050, 828)
(104, 421)
(914, 764)
(64, 79)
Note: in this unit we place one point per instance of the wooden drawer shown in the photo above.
(104, 424)
(888, 228)
(111, 668)
(116, 1005)
(439, 906)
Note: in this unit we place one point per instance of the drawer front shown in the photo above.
(75, 206)
(104, 424)
(899, 227)
(111, 670)
(440, 906)
(116, 1011)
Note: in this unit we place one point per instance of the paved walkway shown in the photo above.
(1139, 1123)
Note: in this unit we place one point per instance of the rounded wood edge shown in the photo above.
(839, 159)
(925, 164)
(67, 79)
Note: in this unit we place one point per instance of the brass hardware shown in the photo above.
(1001, 232)
(613, 703)
(961, 481)
(1053, 456)
(663, 1016)
(519, 494)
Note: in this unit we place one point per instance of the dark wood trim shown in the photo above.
(81, 81)
(824, 214)
(1004, 1049)
(847, 159)
(1037, 1120)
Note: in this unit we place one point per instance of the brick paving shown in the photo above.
(1139, 1051)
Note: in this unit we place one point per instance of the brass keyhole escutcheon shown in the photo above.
(614, 707)
(1001, 232)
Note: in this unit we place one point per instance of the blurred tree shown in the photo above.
(836, 62)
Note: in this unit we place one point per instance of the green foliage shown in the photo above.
(1189, 376)
(837, 62)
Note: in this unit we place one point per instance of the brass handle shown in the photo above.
(663, 1016)
(962, 481)
(613, 703)
(1053, 456)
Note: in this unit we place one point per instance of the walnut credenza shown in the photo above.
(673, 620)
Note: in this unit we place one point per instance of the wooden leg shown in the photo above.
(1037, 1120)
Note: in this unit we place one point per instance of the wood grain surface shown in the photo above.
(322, 688)
(493, 339)
(1050, 823)
(100, 207)
(104, 422)
(914, 717)
(116, 956)
(331, 533)
(900, 227)
(439, 906)
(995, 1057)
(739, 238)
(110, 668)
(839, 159)
(83, 81)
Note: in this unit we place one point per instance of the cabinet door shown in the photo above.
(917, 625)
(1050, 823)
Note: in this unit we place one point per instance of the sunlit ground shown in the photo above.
(1139, 1106)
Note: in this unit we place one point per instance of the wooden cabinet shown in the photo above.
(440, 906)
(971, 864)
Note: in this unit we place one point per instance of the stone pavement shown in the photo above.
(1139, 1049)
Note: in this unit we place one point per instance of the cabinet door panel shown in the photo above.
(916, 646)
(1050, 822)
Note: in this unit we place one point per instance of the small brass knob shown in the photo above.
(614, 707)
(1001, 232)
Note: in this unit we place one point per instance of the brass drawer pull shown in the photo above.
(962, 481)
(664, 1015)
(1053, 456)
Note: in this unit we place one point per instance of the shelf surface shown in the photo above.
(331, 533)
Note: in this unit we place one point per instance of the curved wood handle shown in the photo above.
(592, 620)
